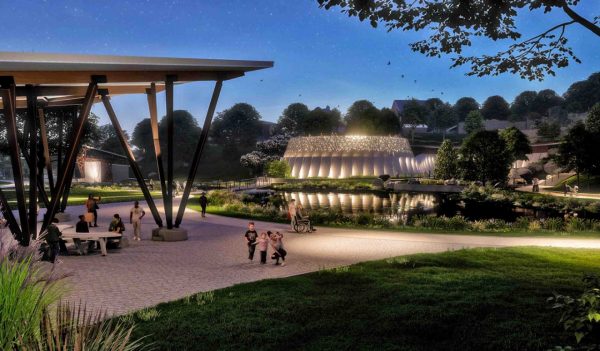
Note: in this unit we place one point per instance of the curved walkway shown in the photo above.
(215, 256)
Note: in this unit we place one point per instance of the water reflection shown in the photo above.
(388, 205)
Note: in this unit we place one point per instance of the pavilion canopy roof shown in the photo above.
(64, 77)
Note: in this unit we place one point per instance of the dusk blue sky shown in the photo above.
(321, 57)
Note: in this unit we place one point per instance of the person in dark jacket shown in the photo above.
(53, 239)
(116, 225)
(203, 203)
(82, 225)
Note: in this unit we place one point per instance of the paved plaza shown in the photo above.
(215, 256)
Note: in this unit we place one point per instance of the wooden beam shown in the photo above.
(13, 144)
(198, 152)
(32, 116)
(151, 93)
(70, 158)
(168, 201)
(46, 149)
(131, 158)
(70, 77)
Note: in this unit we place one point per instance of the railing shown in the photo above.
(234, 185)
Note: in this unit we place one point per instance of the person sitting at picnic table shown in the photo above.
(82, 225)
(116, 225)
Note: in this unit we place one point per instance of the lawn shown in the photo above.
(479, 299)
(78, 195)
(587, 184)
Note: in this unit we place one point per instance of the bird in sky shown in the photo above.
(402, 76)
(389, 63)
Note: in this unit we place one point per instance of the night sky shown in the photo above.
(321, 57)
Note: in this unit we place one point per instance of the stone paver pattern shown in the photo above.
(215, 256)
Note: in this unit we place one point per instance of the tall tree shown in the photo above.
(108, 140)
(573, 152)
(321, 121)
(474, 122)
(463, 106)
(592, 122)
(292, 120)
(523, 104)
(484, 157)
(414, 114)
(582, 95)
(364, 118)
(495, 107)
(548, 130)
(238, 125)
(545, 100)
(452, 26)
(517, 144)
(446, 161)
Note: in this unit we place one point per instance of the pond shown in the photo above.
(395, 205)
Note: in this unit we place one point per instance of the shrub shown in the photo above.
(575, 224)
(221, 197)
(554, 224)
(522, 223)
(581, 315)
(26, 290)
(535, 226)
(279, 169)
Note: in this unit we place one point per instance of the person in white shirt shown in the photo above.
(292, 211)
(135, 217)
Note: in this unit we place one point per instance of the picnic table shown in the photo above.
(100, 237)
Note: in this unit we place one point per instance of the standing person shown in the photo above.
(279, 250)
(135, 217)
(53, 239)
(292, 212)
(536, 185)
(263, 244)
(92, 207)
(151, 185)
(251, 236)
(203, 203)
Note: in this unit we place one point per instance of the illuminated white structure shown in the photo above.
(350, 156)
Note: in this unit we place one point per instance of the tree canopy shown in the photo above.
(582, 95)
(237, 126)
(495, 107)
(474, 122)
(293, 118)
(484, 157)
(463, 106)
(452, 26)
(517, 144)
(366, 119)
(446, 166)
(321, 121)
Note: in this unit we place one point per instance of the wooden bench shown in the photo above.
(100, 237)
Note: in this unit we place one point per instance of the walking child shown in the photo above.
(279, 251)
(262, 243)
(251, 236)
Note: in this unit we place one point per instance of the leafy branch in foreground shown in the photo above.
(454, 25)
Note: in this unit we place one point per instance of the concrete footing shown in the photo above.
(164, 234)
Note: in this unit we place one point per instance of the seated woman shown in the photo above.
(300, 216)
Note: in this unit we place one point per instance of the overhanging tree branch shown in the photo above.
(584, 22)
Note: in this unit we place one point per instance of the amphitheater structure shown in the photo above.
(348, 156)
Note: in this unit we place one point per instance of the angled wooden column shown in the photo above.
(71, 156)
(45, 148)
(33, 162)
(168, 201)
(13, 225)
(151, 94)
(134, 166)
(67, 190)
(198, 152)
(8, 100)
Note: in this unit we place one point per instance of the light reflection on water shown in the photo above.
(388, 205)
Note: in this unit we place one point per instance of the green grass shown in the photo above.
(587, 184)
(78, 195)
(479, 299)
